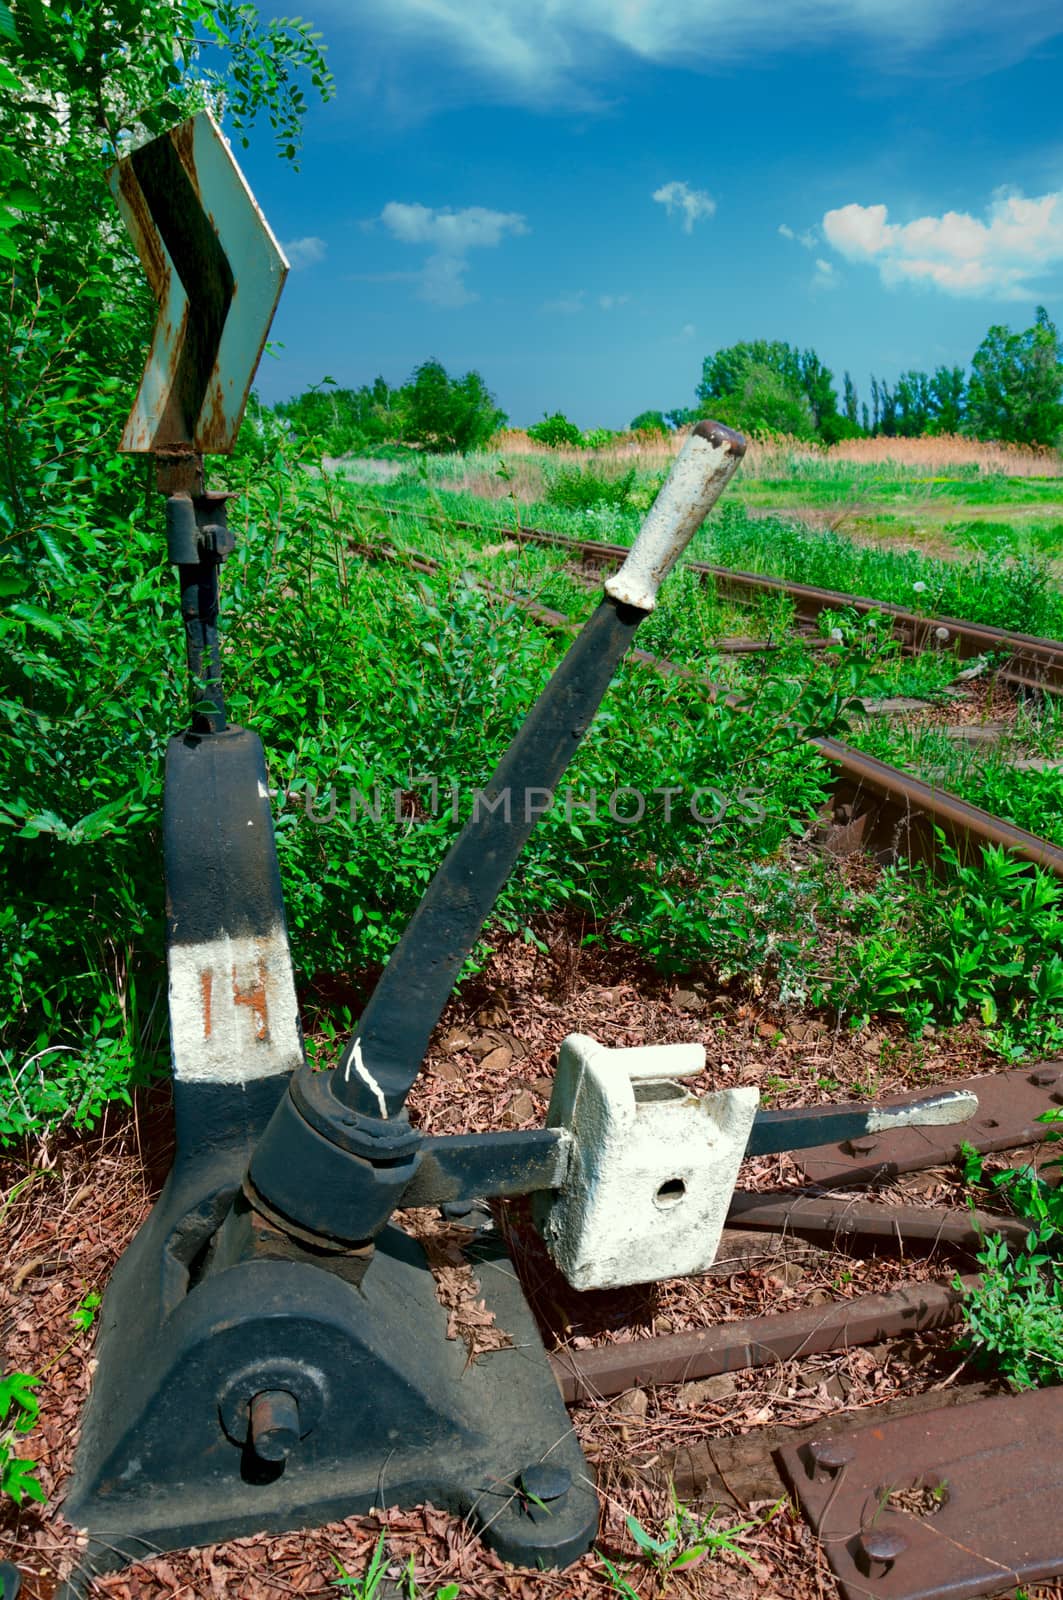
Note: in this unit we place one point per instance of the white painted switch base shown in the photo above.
(651, 1169)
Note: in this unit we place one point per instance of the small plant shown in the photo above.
(1015, 1313)
(368, 1587)
(84, 1313)
(687, 1539)
(18, 1477)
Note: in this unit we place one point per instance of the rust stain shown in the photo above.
(255, 999)
(184, 142)
(206, 986)
(145, 234)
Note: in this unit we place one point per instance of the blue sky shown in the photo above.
(583, 198)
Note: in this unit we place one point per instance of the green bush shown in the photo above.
(649, 422)
(576, 489)
(555, 430)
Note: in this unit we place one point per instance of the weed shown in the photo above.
(368, 1587)
(1014, 1314)
(17, 1474)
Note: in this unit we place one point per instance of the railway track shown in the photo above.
(1033, 664)
(871, 1489)
(877, 807)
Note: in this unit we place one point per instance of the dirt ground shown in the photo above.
(71, 1207)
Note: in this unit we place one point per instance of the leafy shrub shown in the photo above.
(577, 489)
(443, 413)
(649, 422)
(598, 438)
(1014, 1314)
(555, 430)
(18, 1478)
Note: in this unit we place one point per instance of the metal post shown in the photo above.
(197, 540)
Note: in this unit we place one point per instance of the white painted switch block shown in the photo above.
(651, 1168)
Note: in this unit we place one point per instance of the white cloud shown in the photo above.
(808, 238)
(693, 203)
(557, 52)
(825, 277)
(612, 302)
(454, 234)
(1020, 240)
(687, 331)
(304, 252)
(569, 303)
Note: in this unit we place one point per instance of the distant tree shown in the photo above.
(726, 372)
(682, 416)
(442, 413)
(765, 403)
(649, 422)
(948, 387)
(865, 417)
(914, 401)
(817, 381)
(1016, 387)
(885, 405)
(849, 401)
(555, 430)
(344, 420)
(759, 386)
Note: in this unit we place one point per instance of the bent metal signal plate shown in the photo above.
(216, 271)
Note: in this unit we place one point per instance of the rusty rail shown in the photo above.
(761, 1341)
(885, 809)
(1035, 663)
(844, 1218)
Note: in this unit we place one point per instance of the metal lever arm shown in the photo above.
(384, 1056)
(808, 1126)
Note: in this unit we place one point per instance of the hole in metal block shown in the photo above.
(671, 1192)
(646, 1093)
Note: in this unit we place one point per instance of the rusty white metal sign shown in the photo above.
(216, 271)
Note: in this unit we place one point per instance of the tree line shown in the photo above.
(1013, 392)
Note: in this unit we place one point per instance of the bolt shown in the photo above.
(1044, 1077)
(546, 1482)
(878, 1550)
(830, 1457)
(274, 1431)
(862, 1147)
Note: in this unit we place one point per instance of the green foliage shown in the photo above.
(443, 413)
(1016, 593)
(18, 1477)
(371, 1584)
(432, 411)
(598, 438)
(576, 489)
(765, 405)
(768, 387)
(90, 679)
(345, 421)
(649, 422)
(991, 946)
(1016, 388)
(555, 430)
(1014, 1314)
